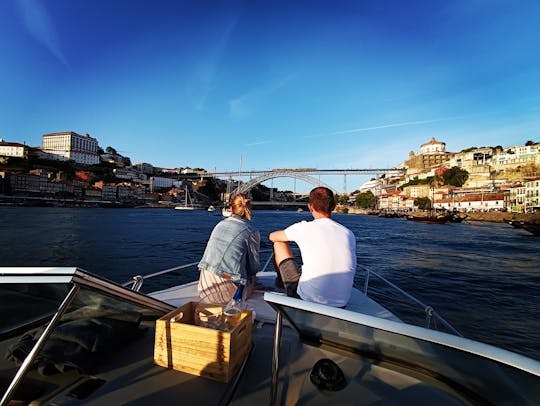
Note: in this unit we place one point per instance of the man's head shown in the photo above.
(321, 199)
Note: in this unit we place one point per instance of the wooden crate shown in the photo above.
(201, 351)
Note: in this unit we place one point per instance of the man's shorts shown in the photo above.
(290, 274)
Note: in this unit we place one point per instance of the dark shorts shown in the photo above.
(290, 274)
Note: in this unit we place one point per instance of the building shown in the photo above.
(43, 183)
(532, 194)
(144, 167)
(517, 156)
(69, 145)
(473, 202)
(417, 191)
(433, 147)
(13, 149)
(432, 153)
(157, 182)
(392, 201)
(473, 159)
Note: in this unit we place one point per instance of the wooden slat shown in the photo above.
(201, 351)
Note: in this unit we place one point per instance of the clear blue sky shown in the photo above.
(330, 84)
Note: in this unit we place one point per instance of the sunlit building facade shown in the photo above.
(69, 145)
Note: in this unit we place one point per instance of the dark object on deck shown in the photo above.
(327, 375)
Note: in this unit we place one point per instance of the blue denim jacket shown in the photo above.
(233, 249)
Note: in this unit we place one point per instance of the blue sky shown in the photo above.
(271, 84)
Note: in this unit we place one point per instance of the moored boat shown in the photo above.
(188, 203)
(429, 218)
(532, 227)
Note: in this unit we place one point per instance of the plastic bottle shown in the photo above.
(233, 309)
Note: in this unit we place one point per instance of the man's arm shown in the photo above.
(278, 236)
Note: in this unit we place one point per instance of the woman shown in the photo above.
(231, 256)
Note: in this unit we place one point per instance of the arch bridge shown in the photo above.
(304, 174)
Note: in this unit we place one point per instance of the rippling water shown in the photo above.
(483, 278)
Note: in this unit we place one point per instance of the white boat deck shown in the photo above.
(179, 295)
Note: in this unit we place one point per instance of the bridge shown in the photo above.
(308, 175)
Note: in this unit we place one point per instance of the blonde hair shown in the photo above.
(240, 206)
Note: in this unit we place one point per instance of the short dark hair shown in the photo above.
(322, 199)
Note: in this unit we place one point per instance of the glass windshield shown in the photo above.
(94, 327)
(473, 370)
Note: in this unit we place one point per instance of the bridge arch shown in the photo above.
(280, 174)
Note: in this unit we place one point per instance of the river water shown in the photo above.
(484, 278)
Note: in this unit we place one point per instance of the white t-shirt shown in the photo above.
(328, 252)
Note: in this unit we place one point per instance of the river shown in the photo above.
(484, 278)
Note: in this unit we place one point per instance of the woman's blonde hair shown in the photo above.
(241, 206)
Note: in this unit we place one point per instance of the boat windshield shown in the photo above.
(59, 323)
(472, 371)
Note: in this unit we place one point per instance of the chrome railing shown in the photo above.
(138, 280)
(429, 311)
(431, 315)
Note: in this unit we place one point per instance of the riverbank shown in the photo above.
(494, 217)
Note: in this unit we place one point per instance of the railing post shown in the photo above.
(429, 314)
(137, 283)
(275, 358)
(366, 282)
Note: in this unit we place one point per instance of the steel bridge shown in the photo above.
(308, 175)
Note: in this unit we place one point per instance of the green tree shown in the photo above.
(423, 203)
(366, 200)
(342, 199)
(455, 176)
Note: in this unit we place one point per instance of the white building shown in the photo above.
(13, 149)
(157, 182)
(532, 194)
(473, 202)
(433, 147)
(472, 159)
(69, 145)
(516, 156)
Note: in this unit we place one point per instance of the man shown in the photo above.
(328, 252)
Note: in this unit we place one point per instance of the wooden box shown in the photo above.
(185, 346)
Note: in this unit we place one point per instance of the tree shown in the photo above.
(455, 176)
(366, 200)
(423, 203)
(342, 199)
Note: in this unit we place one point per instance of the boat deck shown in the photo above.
(132, 378)
(383, 360)
(179, 295)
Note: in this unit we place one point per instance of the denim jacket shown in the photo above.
(233, 249)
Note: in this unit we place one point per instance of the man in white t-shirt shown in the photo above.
(328, 252)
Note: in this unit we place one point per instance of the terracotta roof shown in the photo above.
(433, 141)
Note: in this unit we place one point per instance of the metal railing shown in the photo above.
(429, 311)
(138, 280)
(431, 314)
